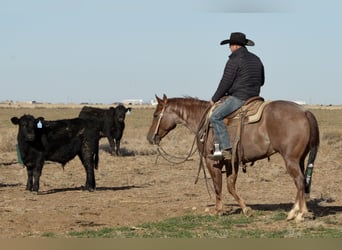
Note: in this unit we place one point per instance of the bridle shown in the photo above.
(162, 152)
(158, 123)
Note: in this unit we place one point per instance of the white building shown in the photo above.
(133, 102)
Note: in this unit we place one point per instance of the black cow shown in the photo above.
(59, 141)
(111, 122)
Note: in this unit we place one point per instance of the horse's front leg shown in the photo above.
(231, 181)
(215, 170)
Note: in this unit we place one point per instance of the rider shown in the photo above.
(242, 79)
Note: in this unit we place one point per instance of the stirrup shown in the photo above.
(217, 155)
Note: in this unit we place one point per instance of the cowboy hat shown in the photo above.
(238, 38)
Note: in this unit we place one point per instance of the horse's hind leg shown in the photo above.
(231, 181)
(299, 207)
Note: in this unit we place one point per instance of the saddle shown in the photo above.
(250, 112)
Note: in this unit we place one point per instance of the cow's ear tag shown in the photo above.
(39, 124)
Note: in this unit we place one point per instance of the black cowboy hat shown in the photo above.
(238, 38)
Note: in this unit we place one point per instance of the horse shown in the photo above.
(284, 127)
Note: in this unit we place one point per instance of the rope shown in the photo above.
(201, 135)
(168, 157)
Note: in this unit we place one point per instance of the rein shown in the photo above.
(168, 157)
(201, 135)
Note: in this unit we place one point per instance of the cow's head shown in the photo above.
(28, 126)
(120, 112)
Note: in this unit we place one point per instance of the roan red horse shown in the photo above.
(285, 128)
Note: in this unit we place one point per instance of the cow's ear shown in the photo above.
(15, 120)
(128, 109)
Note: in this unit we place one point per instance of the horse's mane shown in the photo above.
(188, 101)
(188, 106)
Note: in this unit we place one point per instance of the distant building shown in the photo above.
(133, 102)
(154, 102)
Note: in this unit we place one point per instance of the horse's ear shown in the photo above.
(164, 98)
(158, 99)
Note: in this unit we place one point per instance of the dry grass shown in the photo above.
(137, 123)
(133, 190)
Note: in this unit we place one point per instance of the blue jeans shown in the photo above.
(225, 108)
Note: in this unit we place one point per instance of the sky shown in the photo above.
(102, 51)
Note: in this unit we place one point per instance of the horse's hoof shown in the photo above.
(292, 215)
(247, 211)
(299, 218)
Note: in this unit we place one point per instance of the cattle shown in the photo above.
(111, 122)
(59, 141)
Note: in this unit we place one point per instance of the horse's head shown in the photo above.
(164, 120)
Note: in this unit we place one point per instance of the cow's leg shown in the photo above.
(29, 183)
(117, 147)
(90, 177)
(33, 176)
(111, 144)
(36, 176)
(89, 165)
(90, 182)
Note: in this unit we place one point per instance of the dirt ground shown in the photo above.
(132, 189)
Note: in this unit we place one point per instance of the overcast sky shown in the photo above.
(107, 51)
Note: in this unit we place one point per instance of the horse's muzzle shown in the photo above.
(155, 139)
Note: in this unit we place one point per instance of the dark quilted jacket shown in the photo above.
(243, 76)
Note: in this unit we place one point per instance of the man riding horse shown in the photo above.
(281, 127)
(242, 79)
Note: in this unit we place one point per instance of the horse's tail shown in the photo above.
(313, 147)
